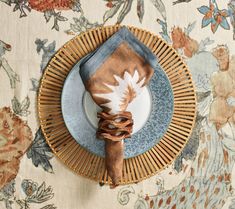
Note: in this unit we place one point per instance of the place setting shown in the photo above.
(117, 104)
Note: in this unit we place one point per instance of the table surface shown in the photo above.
(202, 31)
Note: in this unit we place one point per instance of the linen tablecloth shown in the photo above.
(202, 31)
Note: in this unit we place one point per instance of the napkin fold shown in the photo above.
(115, 75)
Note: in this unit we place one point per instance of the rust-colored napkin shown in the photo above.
(114, 76)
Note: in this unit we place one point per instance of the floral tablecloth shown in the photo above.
(203, 31)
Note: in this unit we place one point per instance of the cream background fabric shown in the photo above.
(72, 191)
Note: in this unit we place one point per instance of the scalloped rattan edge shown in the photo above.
(88, 164)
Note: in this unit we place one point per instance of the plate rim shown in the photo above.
(74, 70)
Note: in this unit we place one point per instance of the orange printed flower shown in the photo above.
(109, 4)
(46, 5)
(222, 108)
(214, 16)
(15, 138)
(221, 52)
(182, 41)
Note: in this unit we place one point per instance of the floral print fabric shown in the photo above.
(202, 31)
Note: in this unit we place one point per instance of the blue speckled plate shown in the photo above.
(84, 132)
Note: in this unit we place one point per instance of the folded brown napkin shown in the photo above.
(114, 76)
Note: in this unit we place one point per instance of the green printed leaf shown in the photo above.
(140, 9)
(16, 106)
(160, 7)
(111, 12)
(40, 152)
(125, 10)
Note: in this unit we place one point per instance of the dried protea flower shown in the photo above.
(15, 138)
(221, 53)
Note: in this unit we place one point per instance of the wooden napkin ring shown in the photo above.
(114, 127)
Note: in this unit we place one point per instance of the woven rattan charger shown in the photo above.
(88, 164)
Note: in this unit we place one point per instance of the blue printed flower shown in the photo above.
(29, 187)
(214, 16)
